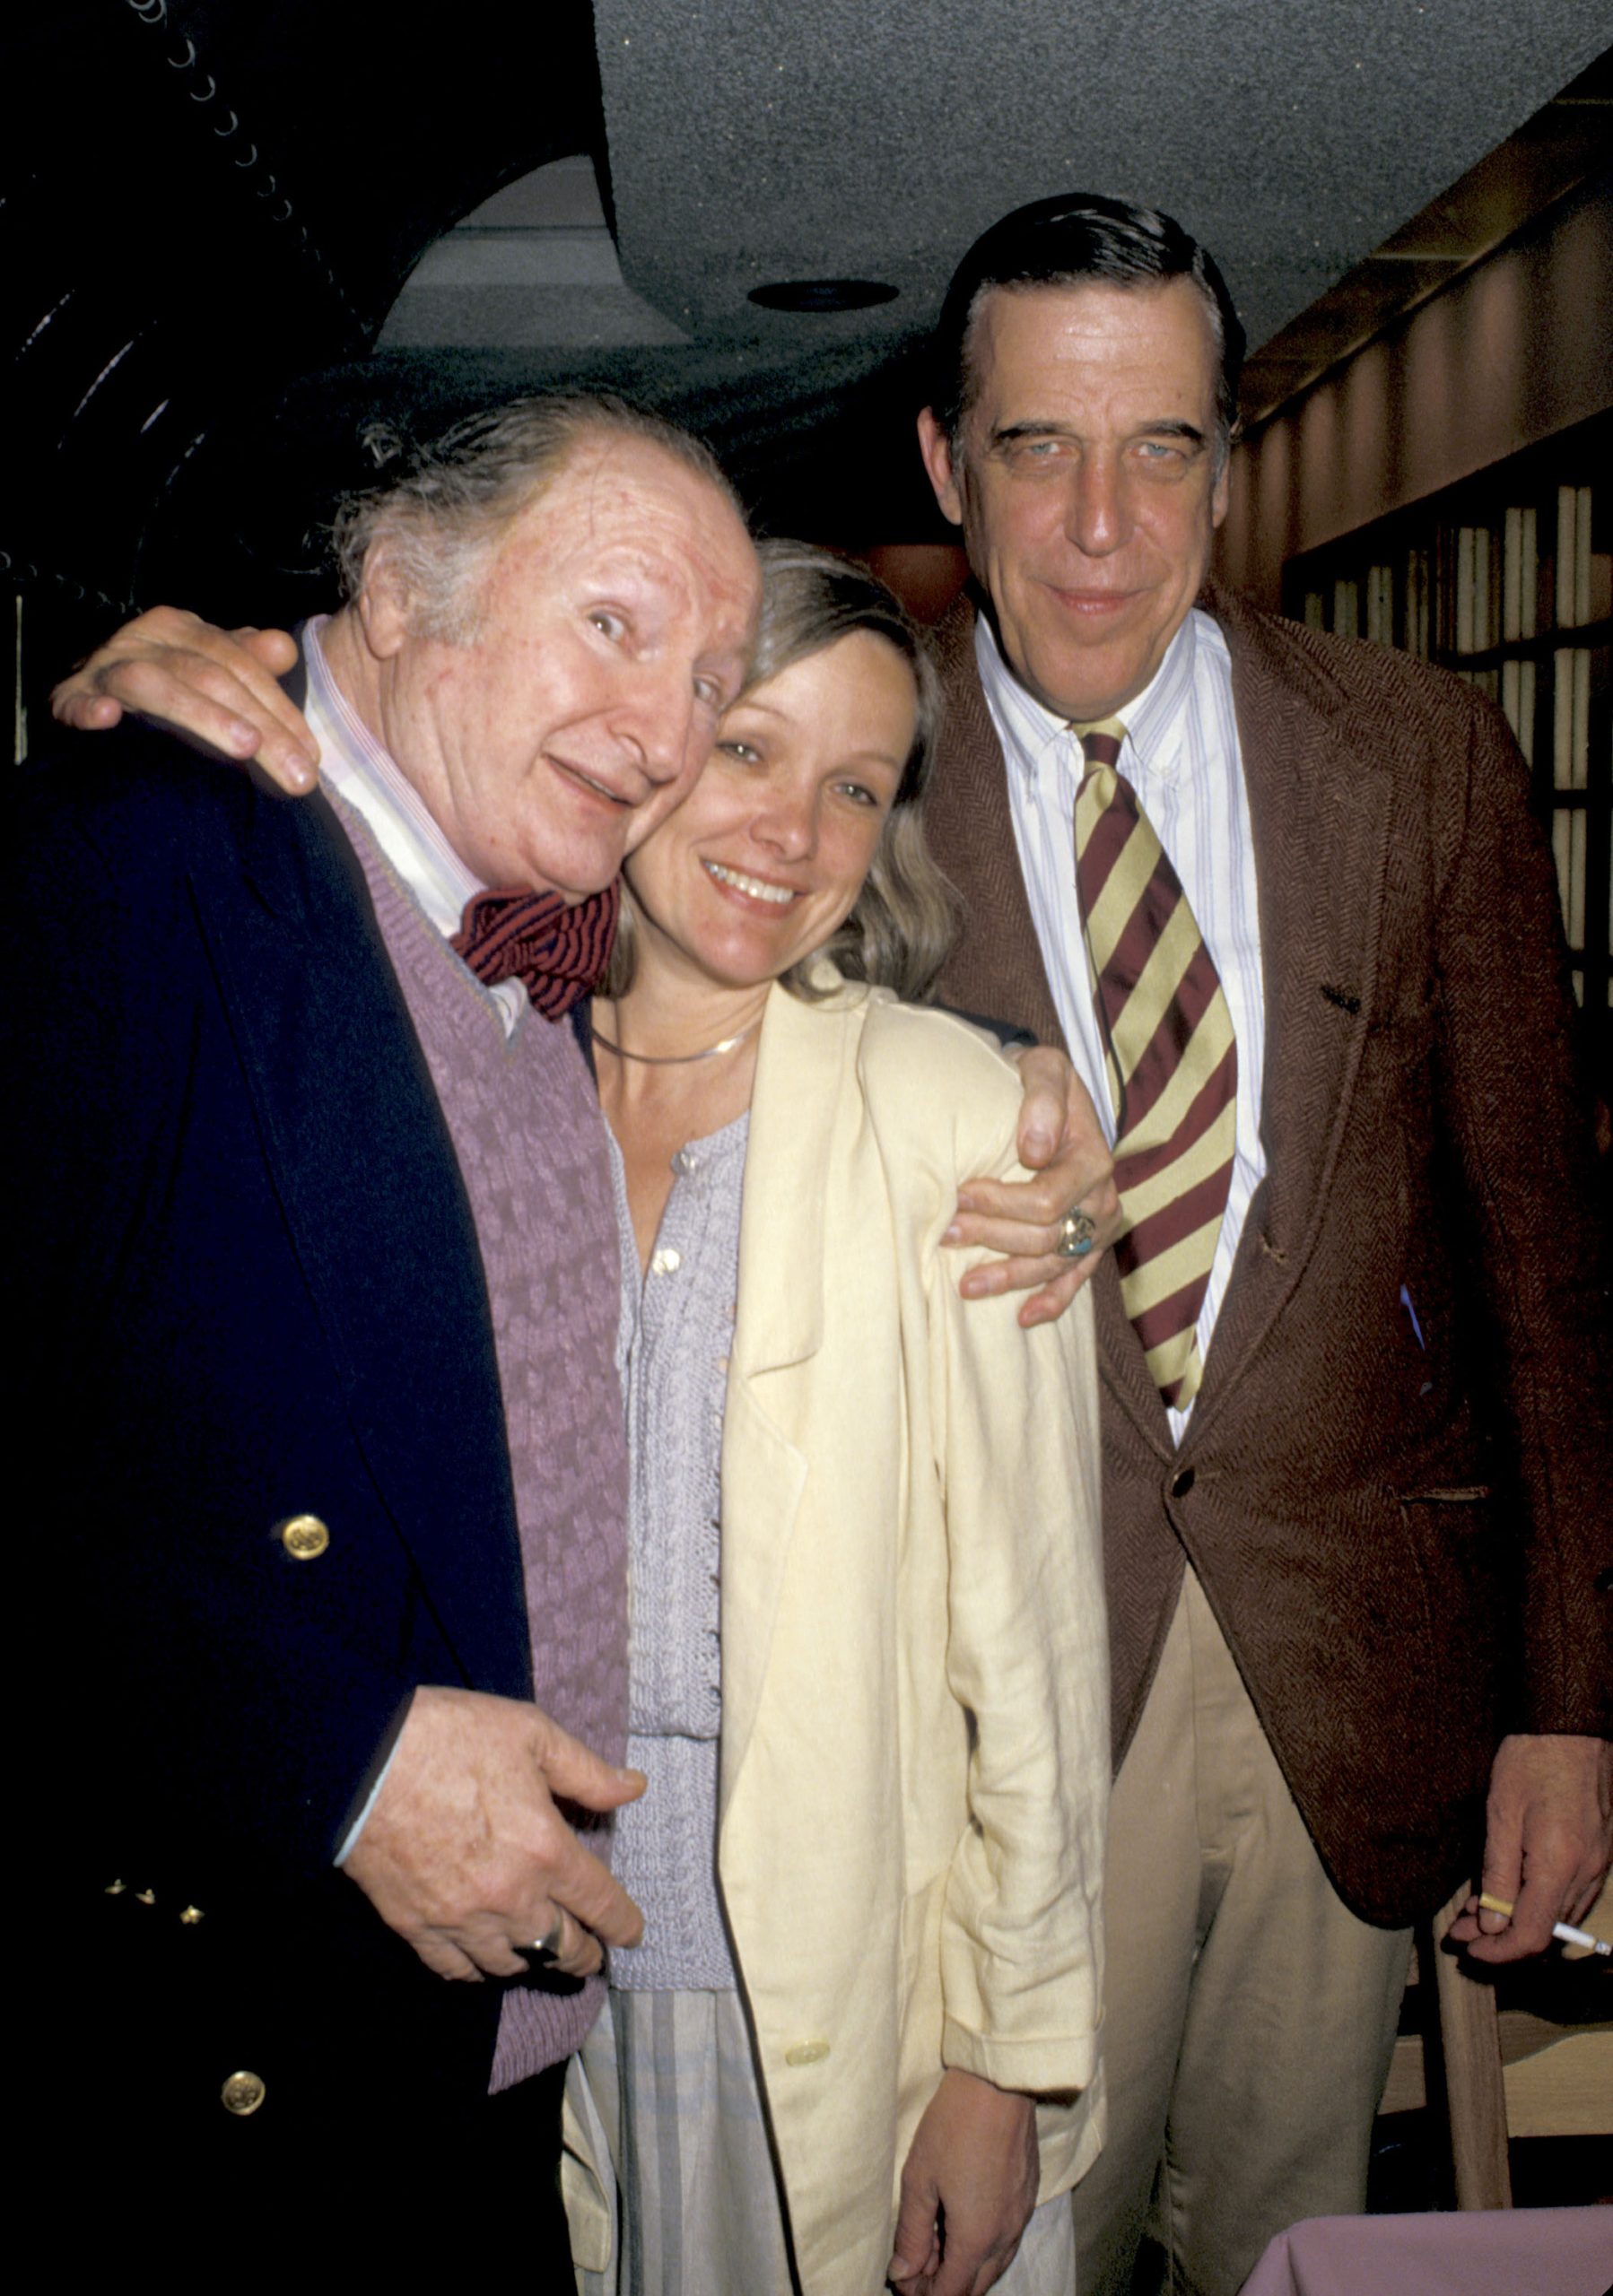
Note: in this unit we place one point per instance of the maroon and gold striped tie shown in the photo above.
(1172, 1059)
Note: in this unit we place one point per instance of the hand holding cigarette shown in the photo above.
(1561, 1930)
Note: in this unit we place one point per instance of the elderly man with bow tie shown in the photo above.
(322, 1276)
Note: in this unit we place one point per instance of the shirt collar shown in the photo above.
(1033, 734)
(360, 772)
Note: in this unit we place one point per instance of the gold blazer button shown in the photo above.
(806, 2053)
(242, 2093)
(304, 1536)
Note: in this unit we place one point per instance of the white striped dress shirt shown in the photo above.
(1180, 756)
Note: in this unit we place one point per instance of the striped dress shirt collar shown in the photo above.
(1029, 731)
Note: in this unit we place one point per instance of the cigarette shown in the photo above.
(1561, 1930)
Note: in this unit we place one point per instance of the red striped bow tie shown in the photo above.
(559, 950)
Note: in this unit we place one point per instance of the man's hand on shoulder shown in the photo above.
(465, 1854)
(218, 689)
(1061, 1141)
(1548, 1843)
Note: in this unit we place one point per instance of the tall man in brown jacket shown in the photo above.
(1358, 1576)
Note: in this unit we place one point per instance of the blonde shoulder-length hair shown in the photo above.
(903, 921)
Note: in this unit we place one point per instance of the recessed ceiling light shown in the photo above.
(823, 294)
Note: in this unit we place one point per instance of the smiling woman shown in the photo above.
(761, 864)
(843, 705)
(866, 1657)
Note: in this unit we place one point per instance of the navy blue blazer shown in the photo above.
(250, 1289)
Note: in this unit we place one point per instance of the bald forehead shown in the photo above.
(630, 541)
(614, 460)
(614, 495)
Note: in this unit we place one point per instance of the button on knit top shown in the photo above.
(677, 1327)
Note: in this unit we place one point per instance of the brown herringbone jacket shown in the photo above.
(1400, 1512)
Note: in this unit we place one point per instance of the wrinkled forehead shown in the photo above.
(626, 507)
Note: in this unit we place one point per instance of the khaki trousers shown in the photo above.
(1249, 2016)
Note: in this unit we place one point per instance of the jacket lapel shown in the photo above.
(1319, 813)
(778, 1327)
(996, 971)
(356, 1140)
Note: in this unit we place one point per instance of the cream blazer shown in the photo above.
(915, 1737)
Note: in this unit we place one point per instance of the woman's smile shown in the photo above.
(762, 861)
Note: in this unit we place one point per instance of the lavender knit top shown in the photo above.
(530, 1141)
(677, 1327)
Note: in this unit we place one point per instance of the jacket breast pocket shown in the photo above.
(1402, 1035)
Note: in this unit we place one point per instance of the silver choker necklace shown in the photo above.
(674, 1059)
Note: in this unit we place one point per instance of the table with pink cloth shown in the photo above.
(1470, 2252)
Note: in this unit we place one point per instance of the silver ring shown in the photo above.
(546, 1950)
(1076, 1235)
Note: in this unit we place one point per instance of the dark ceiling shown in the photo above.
(231, 227)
